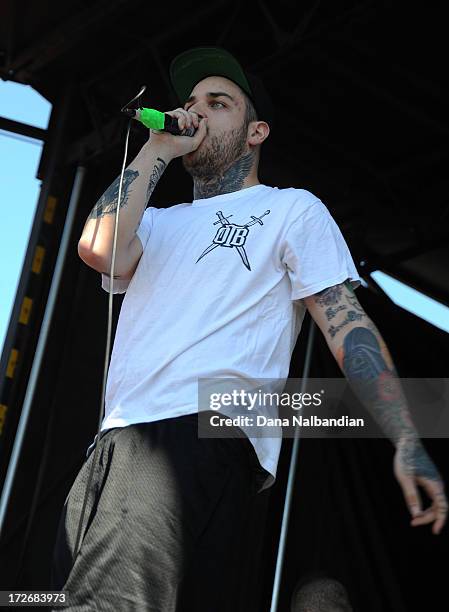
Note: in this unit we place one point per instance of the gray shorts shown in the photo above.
(165, 521)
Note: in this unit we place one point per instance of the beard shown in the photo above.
(211, 159)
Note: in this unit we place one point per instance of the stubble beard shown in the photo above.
(212, 159)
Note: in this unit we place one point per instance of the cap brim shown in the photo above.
(190, 67)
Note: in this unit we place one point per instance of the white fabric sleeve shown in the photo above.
(316, 254)
(143, 232)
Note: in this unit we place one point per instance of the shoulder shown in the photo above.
(299, 203)
(297, 194)
(294, 195)
(155, 211)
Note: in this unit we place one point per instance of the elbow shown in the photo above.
(102, 264)
(90, 258)
(84, 252)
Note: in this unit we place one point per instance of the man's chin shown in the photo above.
(191, 159)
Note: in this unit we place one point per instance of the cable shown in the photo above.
(108, 334)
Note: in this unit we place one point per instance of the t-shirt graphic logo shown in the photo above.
(232, 235)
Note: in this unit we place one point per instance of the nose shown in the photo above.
(199, 109)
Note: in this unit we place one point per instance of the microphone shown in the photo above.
(155, 120)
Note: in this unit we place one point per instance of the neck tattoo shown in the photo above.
(231, 180)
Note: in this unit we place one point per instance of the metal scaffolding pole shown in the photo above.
(41, 344)
(290, 482)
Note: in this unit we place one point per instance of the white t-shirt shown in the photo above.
(217, 293)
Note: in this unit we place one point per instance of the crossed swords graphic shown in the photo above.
(225, 223)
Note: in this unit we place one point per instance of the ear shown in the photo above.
(257, 132)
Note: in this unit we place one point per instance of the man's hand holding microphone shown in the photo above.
(171, 145)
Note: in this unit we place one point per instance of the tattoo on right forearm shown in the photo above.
(156, 174)
(107, 204)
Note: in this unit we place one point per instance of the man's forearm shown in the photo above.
(365, 360)
(139, 181)
(367, 365)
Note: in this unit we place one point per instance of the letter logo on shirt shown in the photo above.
(232, 235)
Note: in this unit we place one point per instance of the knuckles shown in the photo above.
(184, 113)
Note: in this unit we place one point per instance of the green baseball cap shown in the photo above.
(193, 65)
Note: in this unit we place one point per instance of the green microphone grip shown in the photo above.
(156, 120)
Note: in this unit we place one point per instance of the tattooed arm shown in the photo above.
(365, 360)
(139, 181)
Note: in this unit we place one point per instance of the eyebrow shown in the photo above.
(211, 94)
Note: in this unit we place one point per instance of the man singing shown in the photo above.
(216, 287)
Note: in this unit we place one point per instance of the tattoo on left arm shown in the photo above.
(351, 316)
(376, 383)
(365, 360)
(332, 312)
(329, 296)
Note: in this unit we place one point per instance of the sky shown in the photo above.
(19, 191)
